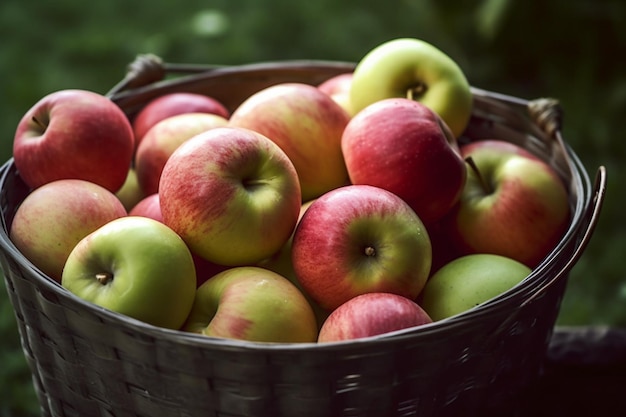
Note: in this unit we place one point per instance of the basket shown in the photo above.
(87, 361)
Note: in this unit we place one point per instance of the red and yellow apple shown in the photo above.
(307, 125)
(253, 304)
(53, 218)
(232, 194)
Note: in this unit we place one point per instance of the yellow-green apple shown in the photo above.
(371, 314)
(53, 218)
(358, 239)
(171, 104)
(253, 304)
(150, 207)
(403, 146)
(135, 266)
(469, 281)
(338, 88)
(415, 69)
(513, 204)
(232, 194)
(161, 141)
(74, 134)
(307, 125)
(130, 193)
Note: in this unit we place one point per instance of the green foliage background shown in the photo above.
(569, 49)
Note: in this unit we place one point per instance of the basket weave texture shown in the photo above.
(87, 361)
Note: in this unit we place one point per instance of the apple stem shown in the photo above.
(104, 277)
(484, 184)
(415, 91)
(370, 251)
(39, 123)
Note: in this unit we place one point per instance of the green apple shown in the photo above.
(413, 68)
(469, 281)
(253, 304)
(130, 193)
(135, 266)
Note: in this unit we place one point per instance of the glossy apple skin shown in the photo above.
(53, 218)
(468, 281)
(74, 134)
(307, 125)
(172, 104)
(232, 194)
(161, 141)
(338, 88)
(150, 269)
(358, 239)
(253, 304)
(393, 67)
(150, 207)
(524, 214)
(371, 314)
(402, 146)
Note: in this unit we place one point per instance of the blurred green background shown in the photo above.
(572, 50)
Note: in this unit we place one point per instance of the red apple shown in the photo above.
(358, 239)
(512, 204)
(53, 218)
(74, 134)
(232, 194)
(404, 147)
(371, 314)
(307, 125)
(172, 104)
(161, 141)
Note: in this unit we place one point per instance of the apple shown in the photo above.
(403, 146)
(130, 193)
(74, 134)
(338, 88)
(253, 304)
(371, 314)
(469, 281)
(150, 207)
(161, 141)
(415, 69)
(232, 194)
(53, 218)
(171, 104)
(358, 239)
(135, 266)
(307, 125)
(512, 204)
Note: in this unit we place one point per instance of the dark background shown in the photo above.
(573, 50)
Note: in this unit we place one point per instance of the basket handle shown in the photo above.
(591, 216)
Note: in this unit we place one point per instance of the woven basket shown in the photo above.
(88, 361)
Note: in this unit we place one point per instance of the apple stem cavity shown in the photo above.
(104, 277)
(487, 188)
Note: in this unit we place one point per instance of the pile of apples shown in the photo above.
(305, 214)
